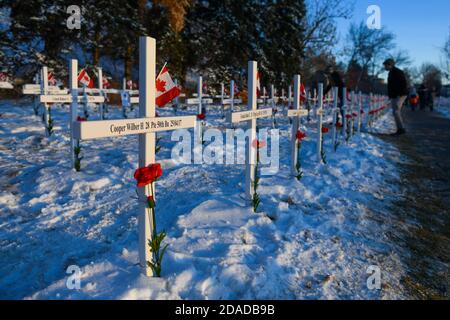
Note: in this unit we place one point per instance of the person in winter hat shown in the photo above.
(397, 91)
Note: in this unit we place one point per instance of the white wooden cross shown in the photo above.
(101, 106)
(263, 99)
(231, 100)
(199, 126)
(334, 113)
(352, 102)
(313, 102)
(273, 101)
(199, 101)
(36, 90)
(296, 113)
(344, 111)
(26, 90)
(44, 90)
(146, 126)
(251, 116)
(128, 97)
(319, 112)
(369, 111)
(359, 107)
(289, 98)
(47, 95)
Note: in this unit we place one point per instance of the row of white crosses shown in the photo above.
(62, 97)
(37, 89)
(145, 126)
(377, 107)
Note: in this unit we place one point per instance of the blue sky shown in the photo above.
(421, 26)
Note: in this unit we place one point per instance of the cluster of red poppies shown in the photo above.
(81, 119)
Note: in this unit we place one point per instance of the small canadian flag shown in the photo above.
(130, 84)
(3, 77)
(166, 90)
(258, 85)
(302, 93)
(236, 91)
(105, 83)
(84, 79)
(51, 79)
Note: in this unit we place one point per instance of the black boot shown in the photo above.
(399, 132)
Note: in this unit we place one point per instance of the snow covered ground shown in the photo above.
(313, 239)
(443, 106)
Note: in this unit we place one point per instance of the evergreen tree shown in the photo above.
(283, 28)
(37, 34)
(222, 35)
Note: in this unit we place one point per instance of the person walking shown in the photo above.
(397, 92)
(423, 96)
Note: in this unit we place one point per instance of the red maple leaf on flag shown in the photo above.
(160, 85)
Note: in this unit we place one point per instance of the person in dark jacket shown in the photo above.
(423, 96)
(397, 91)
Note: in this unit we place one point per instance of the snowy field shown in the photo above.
(313, 239)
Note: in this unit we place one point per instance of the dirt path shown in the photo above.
(421, 216)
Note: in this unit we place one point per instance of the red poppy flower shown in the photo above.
(325, 130)
(339, 125)
(348, 116)
(259, 144)
(201, 116)
(81, 118)
(145, 176)
(354, 114)
(300, 135)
